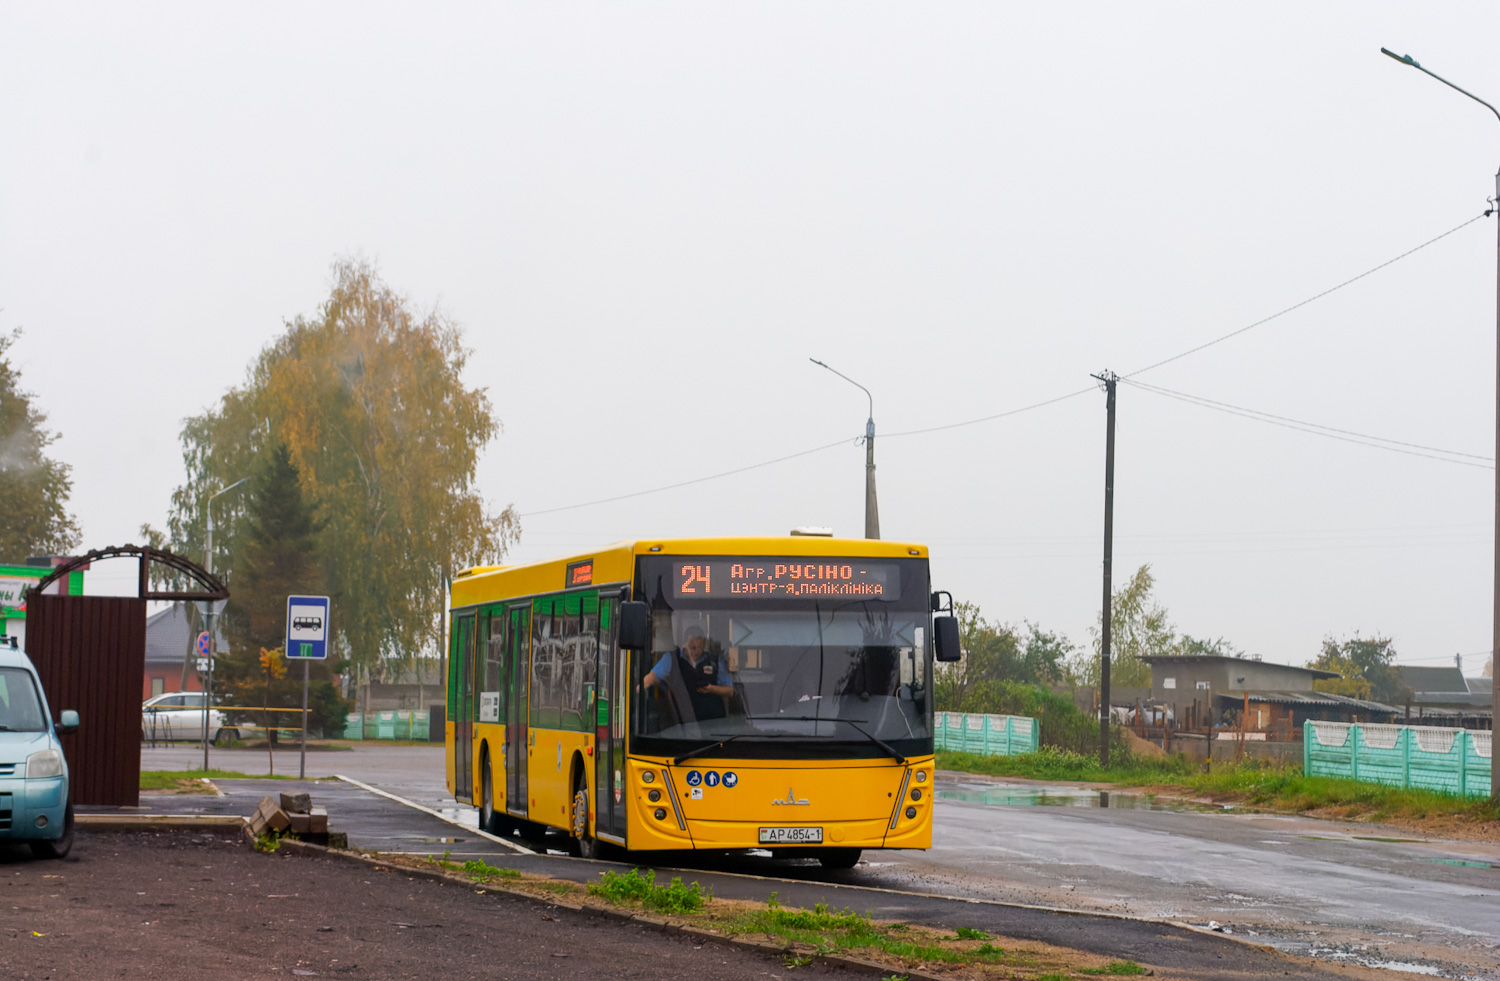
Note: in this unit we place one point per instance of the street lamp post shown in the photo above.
(211, 615)
(1495, 609)
(872, 509)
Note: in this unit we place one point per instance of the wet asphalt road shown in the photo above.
(1341, 892)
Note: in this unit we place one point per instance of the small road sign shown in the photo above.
(205, 644)
(307, 628)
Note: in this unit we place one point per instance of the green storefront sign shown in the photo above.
(14, 581)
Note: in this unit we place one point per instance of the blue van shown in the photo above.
(34, 805)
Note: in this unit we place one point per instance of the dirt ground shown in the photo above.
(178, 906)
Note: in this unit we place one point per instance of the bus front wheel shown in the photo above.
(489, 820)
(839, 858)
(584, 844)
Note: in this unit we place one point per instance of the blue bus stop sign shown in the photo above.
(307, 628)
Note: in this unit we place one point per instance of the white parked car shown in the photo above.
(178, 715)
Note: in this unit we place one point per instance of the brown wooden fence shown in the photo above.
(90, 652)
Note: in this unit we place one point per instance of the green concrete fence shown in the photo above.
(1451, 761)
(392, 724)
(987, 735)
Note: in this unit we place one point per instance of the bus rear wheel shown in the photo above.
(584, 844)
(839, 858)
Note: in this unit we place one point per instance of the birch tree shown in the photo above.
(368, 398)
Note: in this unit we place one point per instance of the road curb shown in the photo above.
(157, 822)
(663, 924)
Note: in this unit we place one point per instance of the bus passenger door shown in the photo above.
(517, 671)
(609, 750)
(461, 684)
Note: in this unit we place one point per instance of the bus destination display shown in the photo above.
(785, 578)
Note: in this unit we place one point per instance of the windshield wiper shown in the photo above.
(900, 760)
(729, 739)
(703, 749)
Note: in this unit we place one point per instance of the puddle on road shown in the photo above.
(1407, 967)
(1459, 861)
(1066, 797)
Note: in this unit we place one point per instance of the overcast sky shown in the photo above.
(647, 217)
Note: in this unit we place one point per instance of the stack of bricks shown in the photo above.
(297, 815)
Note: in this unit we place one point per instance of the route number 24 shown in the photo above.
(695, 574)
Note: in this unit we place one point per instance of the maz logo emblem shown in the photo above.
(792, 800)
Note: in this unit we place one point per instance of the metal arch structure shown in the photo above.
(213, 588)
(90, 652)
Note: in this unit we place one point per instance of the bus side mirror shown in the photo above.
(946, 635)
(635, 626)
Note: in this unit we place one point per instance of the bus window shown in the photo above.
(545, 655)
(492, 684)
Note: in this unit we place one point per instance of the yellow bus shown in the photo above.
(714, 694)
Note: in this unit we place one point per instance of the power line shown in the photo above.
(1402, 658)
(686, 483)
(1329, 432)
(1035, 405)
(1310, 299)
(998, 415)
(1194, 350)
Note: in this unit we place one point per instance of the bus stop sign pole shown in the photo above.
(306, 641)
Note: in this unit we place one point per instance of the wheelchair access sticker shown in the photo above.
(694, 778)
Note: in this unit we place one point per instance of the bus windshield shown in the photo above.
(830, 677)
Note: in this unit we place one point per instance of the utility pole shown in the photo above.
(1495, 608)
(872, 509)
(1108, 379)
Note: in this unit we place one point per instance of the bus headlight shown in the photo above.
(921, 776)
(916, 793)
(653, 795)
(648, 776)
(661, 814)
(911, 812)
(47, 763)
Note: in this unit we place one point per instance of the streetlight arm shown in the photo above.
(852, 382)
(209, 506)
(1409, 60)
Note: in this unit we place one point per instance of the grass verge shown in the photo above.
(1263, 785)
(640, 887)
(191, 781)
(806, 934)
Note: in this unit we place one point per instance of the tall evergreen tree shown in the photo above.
(275, 557)
(275, 553)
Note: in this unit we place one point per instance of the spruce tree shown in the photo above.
(275, 557)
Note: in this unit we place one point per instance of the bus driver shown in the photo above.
(706, 675)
